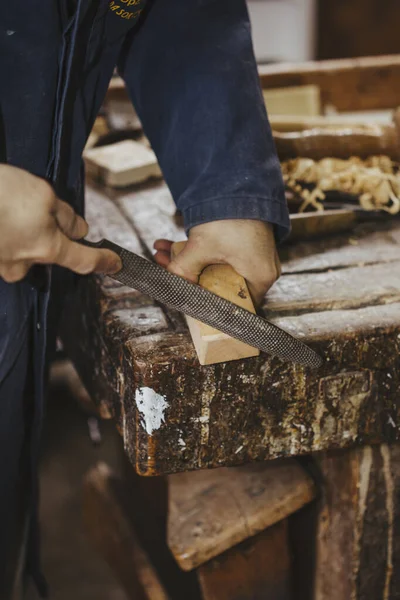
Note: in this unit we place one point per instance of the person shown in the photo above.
(190, 70)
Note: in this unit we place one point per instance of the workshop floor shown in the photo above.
(72, 567)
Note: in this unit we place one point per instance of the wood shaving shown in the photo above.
(376, 181)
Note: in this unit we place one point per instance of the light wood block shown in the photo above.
(302, 101)
(122, 164)
(213, 346)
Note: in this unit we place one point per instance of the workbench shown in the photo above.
(341, 295)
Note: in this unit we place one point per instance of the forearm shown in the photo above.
(193, 79)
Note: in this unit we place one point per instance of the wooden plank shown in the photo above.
(210, 512)
(289, 123)
(370, 83)
(213, 346)
(365, 246)
(357, 549)
(257, 569)
(122, 164)
(340, 289)
(114, 537)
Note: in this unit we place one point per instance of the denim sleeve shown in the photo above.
(192, 76)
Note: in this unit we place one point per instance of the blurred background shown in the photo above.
(298, 30)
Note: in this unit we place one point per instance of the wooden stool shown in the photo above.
(228, 527)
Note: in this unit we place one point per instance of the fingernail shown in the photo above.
(114, 267)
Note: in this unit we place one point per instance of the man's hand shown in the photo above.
(248, 246)
(37, 227)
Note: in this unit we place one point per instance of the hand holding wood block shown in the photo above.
(213, 346)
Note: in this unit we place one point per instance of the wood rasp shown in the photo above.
(191, 299)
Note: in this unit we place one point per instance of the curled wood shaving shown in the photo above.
(376, 181)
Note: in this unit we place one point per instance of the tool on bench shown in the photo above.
(195, 301)
(345, 217)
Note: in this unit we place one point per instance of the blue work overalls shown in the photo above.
(190, 70)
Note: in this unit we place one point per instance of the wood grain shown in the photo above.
(211, 511)
(357, 550)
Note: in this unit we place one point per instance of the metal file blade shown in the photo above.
(191, 299)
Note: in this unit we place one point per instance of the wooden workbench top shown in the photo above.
(341, 295)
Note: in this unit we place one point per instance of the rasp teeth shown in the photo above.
(193, 300)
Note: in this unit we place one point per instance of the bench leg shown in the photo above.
(257, 569)
(357, 553)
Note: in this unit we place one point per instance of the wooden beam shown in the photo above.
(370, 83)
(212, 511)
(213, 346)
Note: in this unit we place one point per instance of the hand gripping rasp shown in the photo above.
(191, 299)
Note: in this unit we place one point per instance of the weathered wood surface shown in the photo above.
(342, 295)
(371, 83)
(355, 531)
(212, 511)
(258, 569)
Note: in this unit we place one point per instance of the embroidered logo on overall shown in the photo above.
(126, 9)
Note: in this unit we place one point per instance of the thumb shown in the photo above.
(189, 263)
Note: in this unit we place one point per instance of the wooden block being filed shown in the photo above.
(301, 101)
(122, 164)
(213, 346)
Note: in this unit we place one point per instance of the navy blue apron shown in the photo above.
(190, 70)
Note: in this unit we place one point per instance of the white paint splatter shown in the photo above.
(151, 406)
(182, 443)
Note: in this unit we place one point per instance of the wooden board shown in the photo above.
(258, 569)
(121, 164)
(371, 83)
(113, 536)
(261, 408)
(210, 512)
(213, 346)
